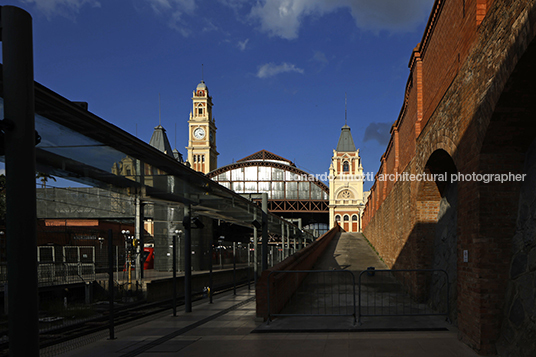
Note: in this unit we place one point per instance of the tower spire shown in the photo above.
(159, 111)
(345, 110)
(202, 73)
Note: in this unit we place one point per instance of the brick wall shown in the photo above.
(472, 100)
(285, 284)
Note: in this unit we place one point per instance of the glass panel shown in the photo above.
(265, 186)
(250, 173)
(65, 142)
(238, 187)
(304, 190)
(251, 187)
(226, 184)
(292, 190)
(278, 190)
(278, 175)
(289, 176)
(316, 192)
(224, 176)
(237, 174)
(265, 173)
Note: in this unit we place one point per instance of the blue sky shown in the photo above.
(277, 70)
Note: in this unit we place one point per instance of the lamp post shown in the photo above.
(177, 233)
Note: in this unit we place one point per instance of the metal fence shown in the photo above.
(412, 292)
(67, 264)
(63, 265)
(318, 293)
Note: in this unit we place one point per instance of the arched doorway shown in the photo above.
(445, 235)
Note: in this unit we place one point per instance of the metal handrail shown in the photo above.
(270, 314)
(360, 314)
(357, 306)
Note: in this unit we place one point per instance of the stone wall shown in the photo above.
(518, 329)
(445, 250)
(474, 108)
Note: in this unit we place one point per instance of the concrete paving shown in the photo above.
(331, 292)
(349, 251)
(229, 327)
(225, 328)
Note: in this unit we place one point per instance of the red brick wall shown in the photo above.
(472, 100)
(285, 284)
(406, 127)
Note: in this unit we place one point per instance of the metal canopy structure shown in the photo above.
(80, 146)
(289, 189)
(41, 130)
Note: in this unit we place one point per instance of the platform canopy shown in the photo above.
(80, 146)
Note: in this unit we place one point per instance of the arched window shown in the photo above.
(345, 166)
(346, 218)
(354, 217)
(338, 218)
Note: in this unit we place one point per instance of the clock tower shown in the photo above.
(202, 154)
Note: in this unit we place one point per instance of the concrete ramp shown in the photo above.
(350, 251)
(331, 292)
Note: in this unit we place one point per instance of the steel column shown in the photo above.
(21, 217)
(264, 231)
(187, 223)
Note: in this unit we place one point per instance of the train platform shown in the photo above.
(229, 327)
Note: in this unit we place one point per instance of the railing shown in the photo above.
(320, 293)
(410, 292)
(68, 264)
(404, 292)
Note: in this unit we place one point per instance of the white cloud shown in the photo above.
(174, 6)
(320, 57)
(173, 11)
(242, 44)
(283, 18)
(271, 69)
(67, 8)
(235, 4)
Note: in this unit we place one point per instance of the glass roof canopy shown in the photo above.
(80, 146)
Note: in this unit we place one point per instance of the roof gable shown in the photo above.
(265, 155)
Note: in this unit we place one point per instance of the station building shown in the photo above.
(346, 196)
(292, 193)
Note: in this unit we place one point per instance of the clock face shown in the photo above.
(199, 133)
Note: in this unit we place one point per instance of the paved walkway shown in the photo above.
(349, 251)
(338, 284)
(225, 328)
(229, 327)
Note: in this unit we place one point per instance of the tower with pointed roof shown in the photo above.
(346, 201)
(202, 154)
(160, 140)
